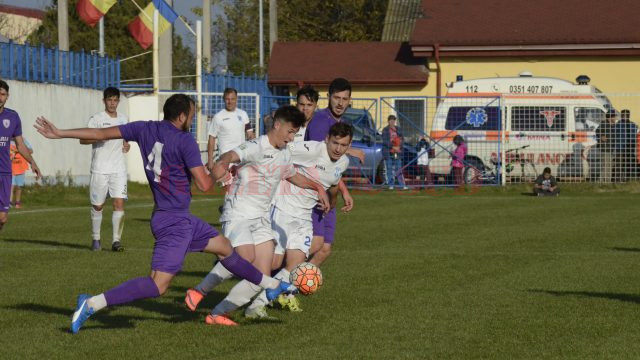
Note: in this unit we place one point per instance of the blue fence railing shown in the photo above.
(46, 65)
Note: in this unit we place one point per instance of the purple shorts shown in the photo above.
(324, 225)
(5, 192)
(177, 234)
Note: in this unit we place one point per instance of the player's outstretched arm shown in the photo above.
(306, 183)
(346, 196)
(201, 178)
(220, 171)
(50, 131)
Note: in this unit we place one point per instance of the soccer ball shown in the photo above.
(306, 277)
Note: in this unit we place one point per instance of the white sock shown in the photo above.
(239, 295)
(215, 277)
(96, 222)
(97, 302)
(261, 299)
(117, 219)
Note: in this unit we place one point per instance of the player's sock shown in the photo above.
(97, 302)
(243, 269)
(134, 289)
(261, 299)
(214, 278)
(96, 222)
(238, 296)
(117, 219)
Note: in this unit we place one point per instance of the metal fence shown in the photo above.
(50, 65)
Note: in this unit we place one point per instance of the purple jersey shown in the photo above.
(167, 154)
(10, 127)
(318, 127)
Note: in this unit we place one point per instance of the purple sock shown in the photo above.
(131, 290)
(242, 268)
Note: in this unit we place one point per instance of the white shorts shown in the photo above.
(292, 233)
(248, 231)
(101, 184)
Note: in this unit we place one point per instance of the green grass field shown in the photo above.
(490, 274)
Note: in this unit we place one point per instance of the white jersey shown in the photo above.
(107, 156)
(299, 136)
(228, 127)
(312, 160)
(261, 169)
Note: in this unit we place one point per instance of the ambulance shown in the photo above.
(518, 126)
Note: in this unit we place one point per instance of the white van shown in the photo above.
(547, 122)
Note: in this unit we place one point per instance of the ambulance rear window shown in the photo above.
(538, 118)
(481, 118)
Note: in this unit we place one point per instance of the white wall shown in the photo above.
(144, 107)
(66, 107)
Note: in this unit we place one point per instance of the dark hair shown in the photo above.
(341, 129)
(458, 139)
(391, 117)
(309, 92)
(110, 91)
(228, 91)
(177, 104)
(624, 114)
(338, 85)
(290, 114)
(546, 170)
(4, 85)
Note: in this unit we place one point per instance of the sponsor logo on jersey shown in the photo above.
(267, 156)
(320, 167)
(307, 147)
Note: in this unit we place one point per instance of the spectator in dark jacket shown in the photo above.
(606, 146)
(625, 144)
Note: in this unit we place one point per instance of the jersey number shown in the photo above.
(155, 161)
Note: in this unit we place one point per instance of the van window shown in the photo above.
(480, 118)
(588, 118)
(538, 118)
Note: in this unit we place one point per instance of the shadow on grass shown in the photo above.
(198, 274)
(107, 321)
(142, 220)
(630, 298)
(528, 194)
(50, 243)
(625, 249)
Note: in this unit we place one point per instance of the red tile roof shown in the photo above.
(364, 63)
(22, 11)
(527, 22)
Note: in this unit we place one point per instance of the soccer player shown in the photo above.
(11, 129)
(307, 103)
(324, 162)
(108, 170)
(171, 160)
(228, 127)
(263, 163)
(324, 226)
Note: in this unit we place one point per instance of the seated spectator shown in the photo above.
(546, 184)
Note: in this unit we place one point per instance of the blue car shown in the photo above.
(369, 140)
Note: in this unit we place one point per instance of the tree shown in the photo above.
(118, 41)
(298, 20)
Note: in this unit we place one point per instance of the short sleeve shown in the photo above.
(191, 152)
(248, 151)
(213, 128)
(304, 153)
(245, 117)
(132, 130)
(17, 131)
(288, 169)
(343, 163)
(93, 122)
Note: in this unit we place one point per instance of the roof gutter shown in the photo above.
(436, 48)
(418, 48)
